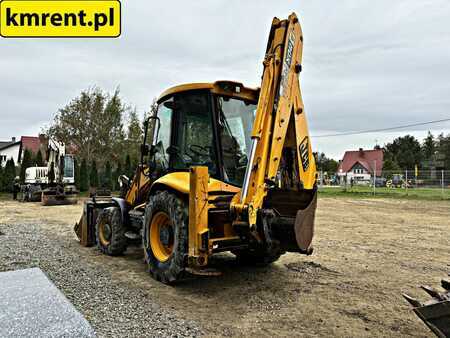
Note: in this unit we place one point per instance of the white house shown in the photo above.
(360, 165)
(9, 149)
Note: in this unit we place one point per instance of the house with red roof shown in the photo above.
(361, 165)
(31, 143)
(15, 149)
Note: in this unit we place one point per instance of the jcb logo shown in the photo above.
(287, 63)
(62, 18)
(303, 149)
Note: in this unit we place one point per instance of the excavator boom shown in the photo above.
(281, 158)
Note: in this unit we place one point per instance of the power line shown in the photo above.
(382, 129)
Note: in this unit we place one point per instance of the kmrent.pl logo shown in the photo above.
(60, 18)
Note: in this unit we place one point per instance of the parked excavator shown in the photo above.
(53, 184)
(223, 168)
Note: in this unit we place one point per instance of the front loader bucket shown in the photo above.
(435, 313)
(85, 227)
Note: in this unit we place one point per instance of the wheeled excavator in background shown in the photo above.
(53, 184)
(223, 168)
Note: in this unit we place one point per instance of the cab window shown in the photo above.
(165, 112)
(194, 141)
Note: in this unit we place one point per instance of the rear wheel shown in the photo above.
(110, 232)
(165, 237)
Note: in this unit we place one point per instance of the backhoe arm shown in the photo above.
(281, 155)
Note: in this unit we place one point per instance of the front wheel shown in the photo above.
(110, 232)
(165, 239)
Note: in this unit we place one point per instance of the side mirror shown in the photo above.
(152, 126)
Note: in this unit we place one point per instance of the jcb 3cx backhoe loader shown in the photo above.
(227, 168)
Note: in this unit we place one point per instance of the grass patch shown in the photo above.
(367, 192)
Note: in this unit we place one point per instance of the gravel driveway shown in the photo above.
(114, 310)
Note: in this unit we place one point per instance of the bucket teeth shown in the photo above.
(432, 292)
(414, 302)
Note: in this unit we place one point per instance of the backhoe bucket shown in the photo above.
(293, 223)
(435, 313)
(304, 226)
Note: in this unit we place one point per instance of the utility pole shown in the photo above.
(374, 176)
(406, 181)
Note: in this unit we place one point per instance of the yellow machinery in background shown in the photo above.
(223, 168)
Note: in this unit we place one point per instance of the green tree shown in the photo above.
(326, 164)
(76, 167)
(84, 181)
(443, 148)
(107, 176)
(390, 167)
(116, 175)
(26, 163)
(127, 170)
(93, 124)
(93, 175)
(428, 146)
(9, 174)
(38, 160)
(405, 151)
(134, 166)
(134, 136)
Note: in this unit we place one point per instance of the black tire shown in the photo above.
(172, 268)
(110, 241)
(260, 256)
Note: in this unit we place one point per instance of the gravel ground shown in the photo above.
(113, 309)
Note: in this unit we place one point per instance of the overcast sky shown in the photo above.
(367, 64)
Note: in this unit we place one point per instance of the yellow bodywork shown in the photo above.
(180, 181)
(218, 87)
(139, 188)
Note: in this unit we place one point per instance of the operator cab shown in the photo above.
(206, 125)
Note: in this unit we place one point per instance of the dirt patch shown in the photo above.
(367, 252)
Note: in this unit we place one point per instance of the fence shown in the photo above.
(433, 184)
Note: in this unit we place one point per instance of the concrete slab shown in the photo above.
(32, 306)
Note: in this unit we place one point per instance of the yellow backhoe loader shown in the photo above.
(223, 168)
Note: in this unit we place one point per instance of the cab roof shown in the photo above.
(222, 87)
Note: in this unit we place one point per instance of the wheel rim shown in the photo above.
(161, 236)
(104, 233)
